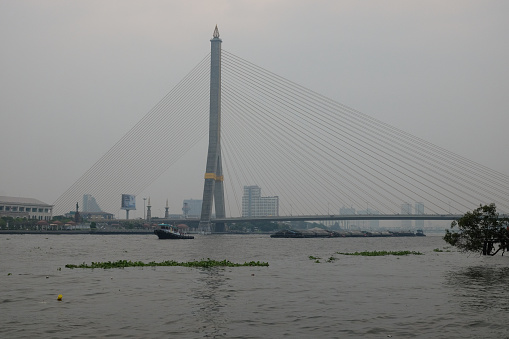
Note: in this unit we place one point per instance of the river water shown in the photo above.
(435, 295)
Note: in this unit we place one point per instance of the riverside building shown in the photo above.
(29, 208)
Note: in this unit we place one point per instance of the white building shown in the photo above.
(25, 208)
(254, 205)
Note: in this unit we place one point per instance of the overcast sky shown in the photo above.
(75, 76)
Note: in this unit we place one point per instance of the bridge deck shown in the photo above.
(326, 217)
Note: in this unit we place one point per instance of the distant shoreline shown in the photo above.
(128, 232)
(136, 232)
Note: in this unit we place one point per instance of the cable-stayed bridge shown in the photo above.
(312, 152)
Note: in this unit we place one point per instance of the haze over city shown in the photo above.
(76, 76)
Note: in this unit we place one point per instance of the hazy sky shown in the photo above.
(75, 76)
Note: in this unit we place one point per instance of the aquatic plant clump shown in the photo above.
(439, 250)
(381, 253)
(202, 263)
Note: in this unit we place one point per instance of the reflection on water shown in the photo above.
(481, 287)
(208, 293)
(483, 276)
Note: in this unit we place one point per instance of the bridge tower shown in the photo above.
(213, 190)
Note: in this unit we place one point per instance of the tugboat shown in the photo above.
(167, 231)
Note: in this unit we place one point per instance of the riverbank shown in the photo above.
(75, 232)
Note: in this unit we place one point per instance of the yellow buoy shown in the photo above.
(59, 298)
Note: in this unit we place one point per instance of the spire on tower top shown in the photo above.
(216, 33)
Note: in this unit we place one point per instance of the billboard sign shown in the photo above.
(128, 202)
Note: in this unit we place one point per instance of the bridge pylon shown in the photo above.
(213, 190)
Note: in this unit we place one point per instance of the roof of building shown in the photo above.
(22, 201)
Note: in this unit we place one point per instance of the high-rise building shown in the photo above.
(419, 209)
(192, 208)
(372, 224)
(89, 204)
(406, 209)
(346, 224)
(254, 205)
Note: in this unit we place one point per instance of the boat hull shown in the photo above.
(169, 235)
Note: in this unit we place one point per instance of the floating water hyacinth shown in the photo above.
(381, 253)
(202, 263)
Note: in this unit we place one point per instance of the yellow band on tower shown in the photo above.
(210, 176)
(214, 176)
